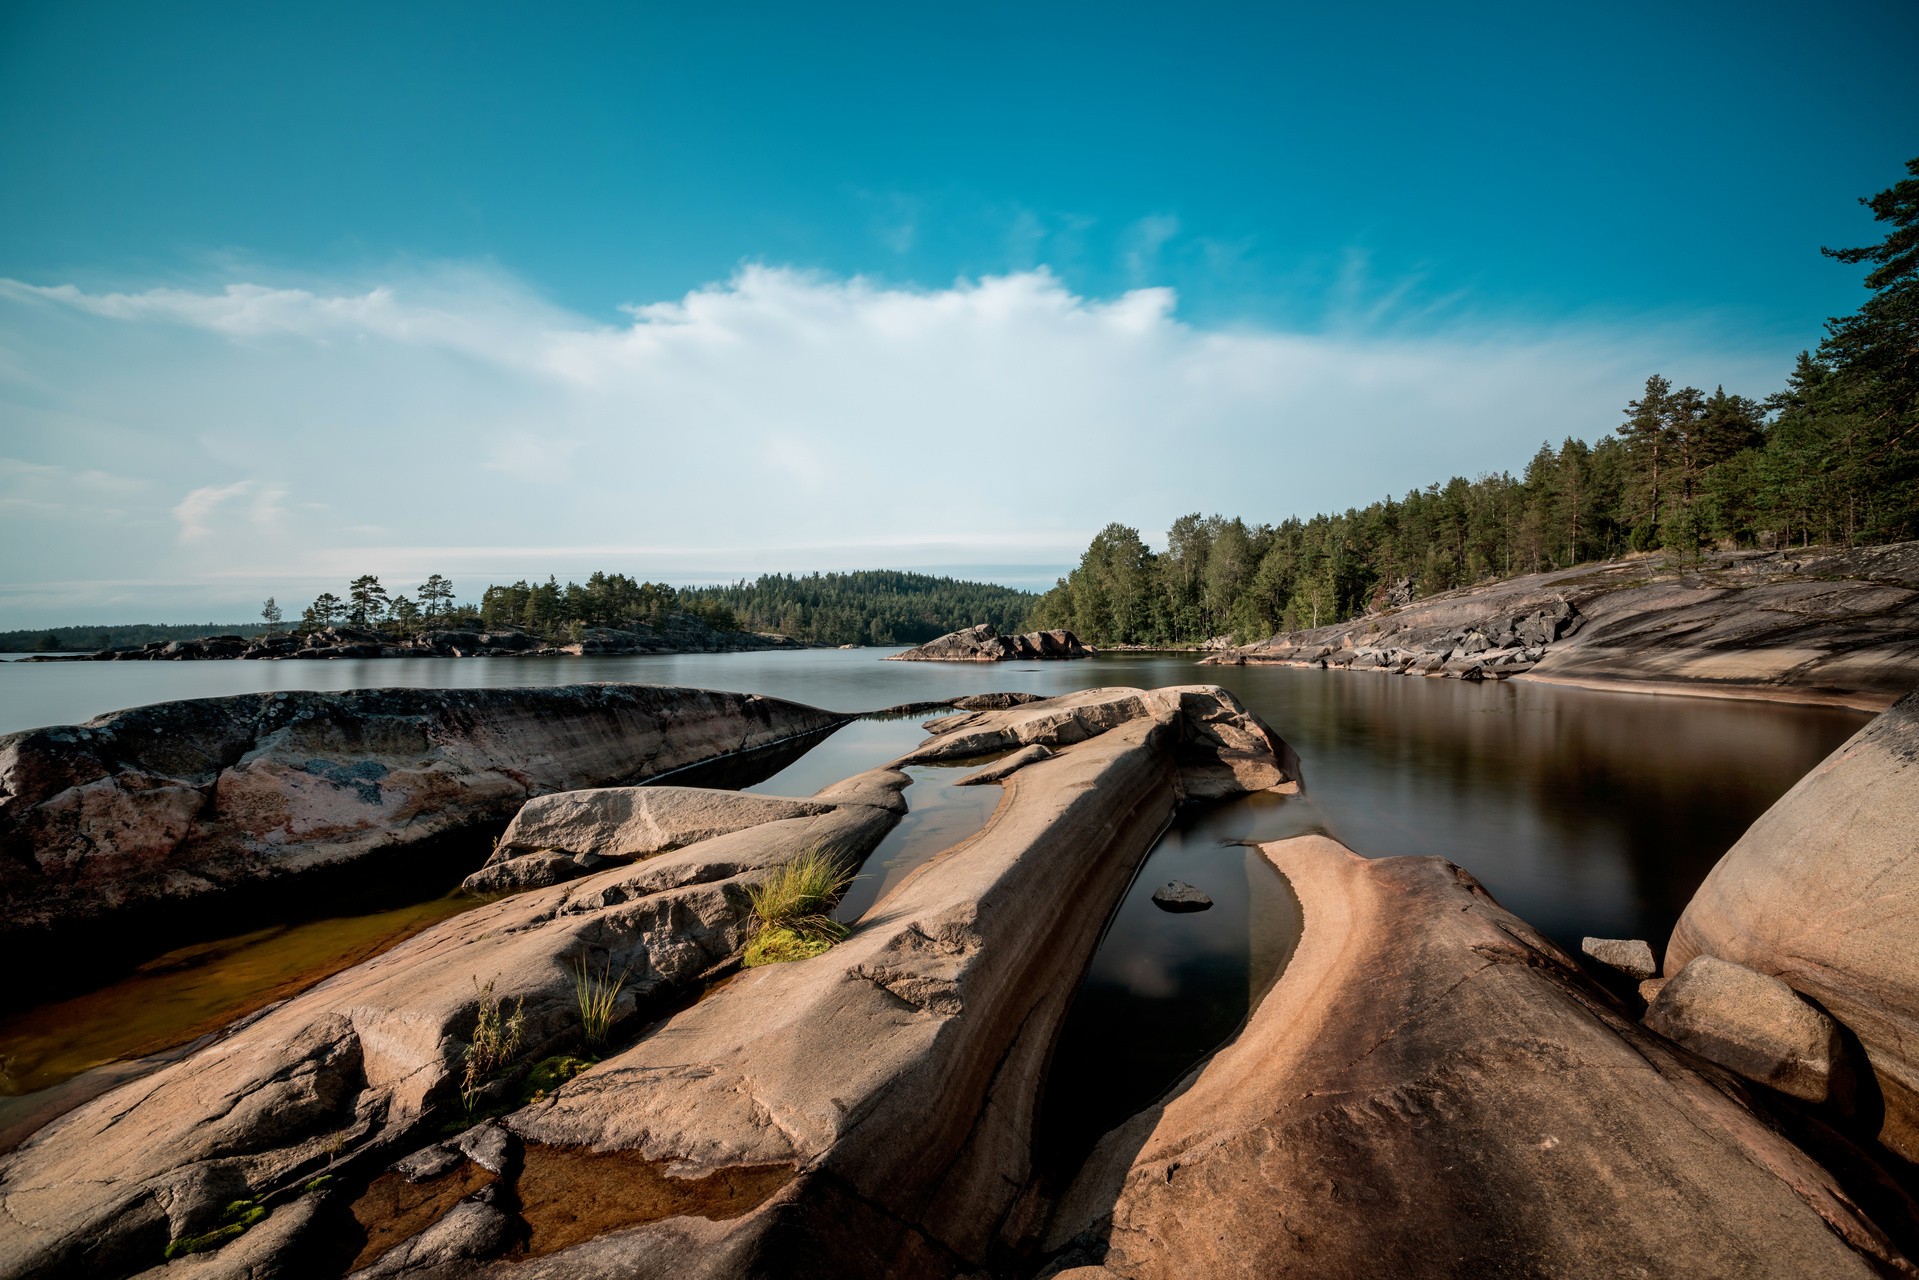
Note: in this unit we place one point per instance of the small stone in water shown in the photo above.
(1177, 895)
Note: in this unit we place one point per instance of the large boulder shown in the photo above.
(184, 801)
(368, 1061)
(984, 644)
(1823, 892)
(1750, 1023)
(1434, 1089)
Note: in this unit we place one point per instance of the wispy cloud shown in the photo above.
(780, 419)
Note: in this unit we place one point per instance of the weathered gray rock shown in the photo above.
(983, 644)
(1749, 1023)
(1177, 895)
(1630, 956)
(1432, 1088)
(1832, 626)
(1823, 893)
(184, 801)
(359, 1063)
(561, 836)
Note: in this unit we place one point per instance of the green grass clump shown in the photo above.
(240, 1215)
(790, 906)
(495, 1043)
(598, 994)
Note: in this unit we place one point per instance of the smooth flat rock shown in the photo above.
(1177, 896)
(1630, 956)
(1006, 767)
(1431, 1088)
(183, 801)
(1749, 1023)
(1823, 892)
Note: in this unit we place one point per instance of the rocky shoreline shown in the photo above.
(1431, 1087)
(1825, 626)
(676, 633)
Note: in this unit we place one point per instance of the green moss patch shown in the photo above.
(777, 944)
(240, 1215)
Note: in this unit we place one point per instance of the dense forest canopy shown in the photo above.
(1832, 457)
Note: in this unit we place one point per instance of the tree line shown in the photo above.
(1830, 458)
(873, 606)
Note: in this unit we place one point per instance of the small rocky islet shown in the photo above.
(1431, 1086)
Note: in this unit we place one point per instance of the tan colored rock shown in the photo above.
(1433, 1089)
(1823, 893)
(1649, 989)
(1630, 956)
(183, 801)
(1226, 749)
(1749, 1023)
(360, 1061)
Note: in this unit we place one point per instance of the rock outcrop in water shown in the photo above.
(184, 801)
(983, 644)
(856, 1113)
(1836, 626)
(1432, 1088)
(1823, 893)
(673, 633)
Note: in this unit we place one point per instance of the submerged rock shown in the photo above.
(1749, 1023)
(185, 801)
(1433, 1088)
(1177, 895)
(983, 644)
(1823, 893)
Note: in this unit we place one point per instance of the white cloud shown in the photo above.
(779, 420)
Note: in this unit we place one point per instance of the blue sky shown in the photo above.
(693, 291)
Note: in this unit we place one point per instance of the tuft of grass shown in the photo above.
(495, 1043)
(790, 909)
(598, 994)
(240, 1215)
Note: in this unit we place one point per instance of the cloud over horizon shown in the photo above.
(180, 452)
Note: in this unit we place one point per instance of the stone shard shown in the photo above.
(181, 802)
(1749, 1023)
(1433, 1088)
(1823, 892)
(1630, 956)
